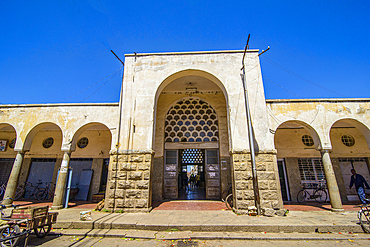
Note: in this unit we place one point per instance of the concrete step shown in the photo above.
(193, 235)
(300, 228)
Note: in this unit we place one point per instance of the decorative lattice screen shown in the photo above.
(191, 156)
(191, 120)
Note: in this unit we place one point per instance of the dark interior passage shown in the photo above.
(192, 176)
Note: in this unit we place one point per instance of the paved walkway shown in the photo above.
(205, 217)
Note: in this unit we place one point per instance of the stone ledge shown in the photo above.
(123, 152)
(247, 151)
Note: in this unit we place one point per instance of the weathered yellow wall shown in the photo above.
(98, 147)
(320, 115)
(27, 120)
(288, 143)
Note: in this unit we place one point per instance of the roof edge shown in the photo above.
(317, 100)
(58, 105)
(187, 53)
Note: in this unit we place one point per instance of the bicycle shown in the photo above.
(28, 191)
(227, 197)
(319, 194)
(45, 193)
(364, 217)
(2, 190)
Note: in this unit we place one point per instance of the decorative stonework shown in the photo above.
(129, 181)
(268, 181)
(191, 120)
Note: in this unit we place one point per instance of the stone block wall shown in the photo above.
(268, 181)
(129, 187)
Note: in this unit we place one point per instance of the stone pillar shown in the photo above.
(13, 180)
(268, 181)
(331, 182)
(97, 167)
(294, 177)
(129, 181)
(62, 182)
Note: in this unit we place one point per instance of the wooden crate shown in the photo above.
(29, 212)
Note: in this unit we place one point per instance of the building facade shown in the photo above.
(184, 113)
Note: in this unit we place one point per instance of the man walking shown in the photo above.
(359, 182)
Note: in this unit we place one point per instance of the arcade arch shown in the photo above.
(191, 131)
(350, 141)
(299, 161)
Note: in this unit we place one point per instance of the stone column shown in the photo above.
(62, 182)
(13, 180)
(331, 182)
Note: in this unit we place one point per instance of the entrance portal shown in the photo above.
(192, 179)
(192, 174)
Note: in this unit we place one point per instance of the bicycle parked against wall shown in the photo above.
(2, 190)
(28, 191)
(227, 197)
(45, 193)
(319, 193)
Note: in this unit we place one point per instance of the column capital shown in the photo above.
(325, 150)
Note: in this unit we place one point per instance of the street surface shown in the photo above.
(76, 241)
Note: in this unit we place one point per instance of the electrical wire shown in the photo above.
(298, 76)
(115, 72)
(102, 85)
(282, 87)
(112, 95)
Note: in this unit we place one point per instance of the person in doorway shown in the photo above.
(197, 180)
(180, 182)
(192, 180)
(185, 181)
(359, 182)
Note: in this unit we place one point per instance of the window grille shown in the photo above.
(82, 143)
(48, 142)
(307, 140)
(191, 120)
(192, 156)
(311, 169)
(348, 140)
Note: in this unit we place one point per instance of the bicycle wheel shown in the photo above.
(41, 195)
(224, 195)
(364, 217)
(320, 195)
(229, 201)
(19, 193)
(8, 232)
(301, 196)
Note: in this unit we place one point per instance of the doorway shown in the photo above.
(192, 174)
(192, 178)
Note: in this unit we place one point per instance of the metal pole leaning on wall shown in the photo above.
(119, 122)
(250, 136)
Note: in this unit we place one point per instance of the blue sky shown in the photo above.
(50, 51)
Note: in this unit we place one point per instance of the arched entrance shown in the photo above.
(299, 162)
(89, 161)
(191, 169)
(191, 137)
(350, 140)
